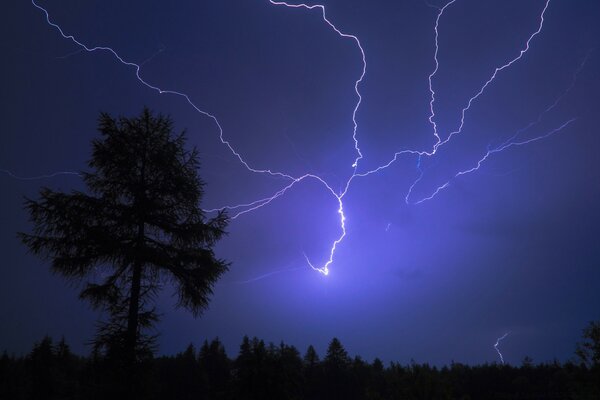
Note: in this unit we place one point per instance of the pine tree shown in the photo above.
(336, 357)
(337, 382)
(311, 358)
(138, 225)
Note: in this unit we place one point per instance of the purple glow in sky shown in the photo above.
(324, 162)
(252, 206)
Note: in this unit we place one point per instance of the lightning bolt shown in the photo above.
(501, 338)
(493, 77)
(358, 81)
(267, 275)
(259, 203)
(137, 68)
(38, 177)
(439, 143)
(435, 70)
(512, 141)
(244, 208)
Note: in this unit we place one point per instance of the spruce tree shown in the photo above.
(138, 226)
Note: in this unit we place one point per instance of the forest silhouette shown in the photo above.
(267, 371)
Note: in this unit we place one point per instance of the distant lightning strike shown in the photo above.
(501, 338)
(242, 209)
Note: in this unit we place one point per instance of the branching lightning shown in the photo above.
(137, 68)
(493, 77)
(501, 338)
(513, 140)
(241, 209)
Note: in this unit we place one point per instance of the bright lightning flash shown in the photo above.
(248, 207)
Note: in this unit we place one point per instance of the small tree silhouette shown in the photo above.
(336, 368)
(140, 223)
(337, 357)
(588, 350)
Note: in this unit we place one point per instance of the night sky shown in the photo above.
(512, 247)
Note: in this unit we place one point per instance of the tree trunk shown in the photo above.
(131, 340)
(134, 296)
(131, 383)
(132, 318)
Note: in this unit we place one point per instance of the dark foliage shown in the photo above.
(588, 350)
(277, 372)
(138, 226)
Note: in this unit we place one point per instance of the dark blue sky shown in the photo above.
(510, 247)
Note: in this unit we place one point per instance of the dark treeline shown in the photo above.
(266, 371)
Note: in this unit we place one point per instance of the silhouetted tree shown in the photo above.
(588, 350)
(336, 365)
(287, 373)
(139, 224)
(244, 371)
(215, 366)
(43, 369)
(377, 381)
(337, 356)
(312, 373)
(311, 358)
